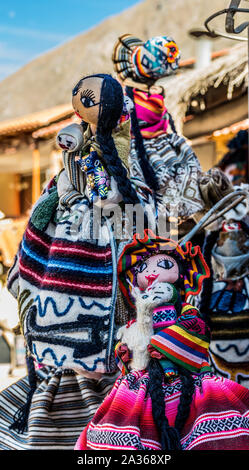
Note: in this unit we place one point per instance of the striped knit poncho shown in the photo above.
(64, 278)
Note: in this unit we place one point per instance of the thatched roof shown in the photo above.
(34, 121)
(48, 80)
(230, 70)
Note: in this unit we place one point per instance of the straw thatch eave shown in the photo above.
(230, 70)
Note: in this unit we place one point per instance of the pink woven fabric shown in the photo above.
(218, 419)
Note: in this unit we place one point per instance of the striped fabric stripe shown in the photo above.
(218, 417)
(182, 347)
(65, 265)
(152, 115)
(61, 407)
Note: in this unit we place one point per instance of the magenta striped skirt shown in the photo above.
(218, 418)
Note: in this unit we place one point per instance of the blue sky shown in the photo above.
(30, 27)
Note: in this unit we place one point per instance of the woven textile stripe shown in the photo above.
(122, 55)
(151, 113)
(218, 419)
(60, 408)
(187, 349)
(64, 265)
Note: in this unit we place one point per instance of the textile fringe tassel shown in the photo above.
(21, 416)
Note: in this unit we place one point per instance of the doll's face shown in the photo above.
(86, 99)
(160, 268)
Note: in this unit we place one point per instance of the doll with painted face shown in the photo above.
(98, 101)
(157, 154)
(172, 402)
(157, 284)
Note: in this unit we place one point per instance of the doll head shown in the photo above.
(145, 62)
(99, 101)
(86, 99)
(158, 268)
(70, 138)
(146, 261)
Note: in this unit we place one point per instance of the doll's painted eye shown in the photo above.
(96, 163)
(165, 264)
(87, 101)
(145, 296)
(142, 267)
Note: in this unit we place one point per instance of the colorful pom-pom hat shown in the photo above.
(142, 61)
(195, 267)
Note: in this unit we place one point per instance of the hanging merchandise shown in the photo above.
(226, 300)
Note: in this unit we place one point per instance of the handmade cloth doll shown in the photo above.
(162, 158)
(225, 299)
(158, 154)
(64, 278)
(166, 397)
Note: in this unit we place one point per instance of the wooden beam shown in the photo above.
(217, 118)
(36, 174)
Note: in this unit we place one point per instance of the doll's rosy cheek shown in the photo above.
(168, 275)
(141, 280)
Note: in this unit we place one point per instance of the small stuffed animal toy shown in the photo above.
(151, 307)
(98, 180)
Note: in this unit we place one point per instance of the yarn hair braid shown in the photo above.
(111, 106)
(188, 388)
(148, 172)
(170, 436)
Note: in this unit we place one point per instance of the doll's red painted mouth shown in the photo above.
(77, 114)
(151, 278)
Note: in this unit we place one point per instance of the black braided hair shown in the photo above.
(111, 106)
(148, 172)
(188, 388)
(244, 226)
(172, 123)
(170, 436)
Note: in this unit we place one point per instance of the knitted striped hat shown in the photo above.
(143, 61)
(196, 269)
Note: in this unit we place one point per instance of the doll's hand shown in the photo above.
(154, 353)
(122, 357)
